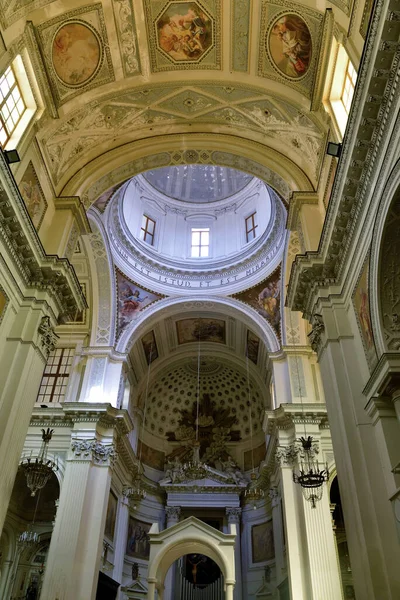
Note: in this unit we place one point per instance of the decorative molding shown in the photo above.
(233, 515)
(48, 339)
(240, 34)
(93, 450)
(173, 514)
(127, 37)
(315, 336)
(286, 456)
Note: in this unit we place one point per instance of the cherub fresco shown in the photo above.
(184, 31)
(290, 45)
(131, 300)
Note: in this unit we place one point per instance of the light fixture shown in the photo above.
(29, 537)
(11, 156)
(334, 149)
(39, 469)
(310, 476)
(253, 493)
(135, 492)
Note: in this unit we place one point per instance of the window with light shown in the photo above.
(12, 105)
(348, 86)
(200, 242)
(251, 227)
(147, 230)
(55, 376)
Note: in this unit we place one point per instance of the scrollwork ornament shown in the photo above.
(318, 328)
(173, 513)
(233, 515)
(286, 456)
(274, 495)
(104, 454)
(48, 339)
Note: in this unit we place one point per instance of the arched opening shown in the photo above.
(341, 540)
(23, 569)
(198, 576)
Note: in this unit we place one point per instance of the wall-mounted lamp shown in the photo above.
(334, 149)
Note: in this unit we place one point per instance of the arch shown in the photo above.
(170, 306)
(186, 537)
(119, 164)
(390, 195)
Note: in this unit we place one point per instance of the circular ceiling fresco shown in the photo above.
(198, 183)
(175, 392)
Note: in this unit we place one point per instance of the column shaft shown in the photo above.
(120, 539)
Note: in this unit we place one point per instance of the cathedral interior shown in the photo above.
(199, 299)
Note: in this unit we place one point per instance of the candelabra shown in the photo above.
(39, 469)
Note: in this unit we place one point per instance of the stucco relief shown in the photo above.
(290, 40)
(76, 52)
(127, 36)
(132, 113)
(184, 35)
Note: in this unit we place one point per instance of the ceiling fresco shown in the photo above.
(76, 52)
(96, 126)
(184, 35)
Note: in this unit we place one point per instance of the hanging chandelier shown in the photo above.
(39, 469)
(135, 493)
(310, 476)
(28, 537)
(253, 493)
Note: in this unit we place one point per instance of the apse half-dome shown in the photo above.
(202, 228)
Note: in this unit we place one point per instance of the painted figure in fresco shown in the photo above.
(296, 45)
(76, 53)
(32, 198)
(364, 317)
(268, 300)
(131, 301)
(184, 36)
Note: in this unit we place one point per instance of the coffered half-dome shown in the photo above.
(215, 236)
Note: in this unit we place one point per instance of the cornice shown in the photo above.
(385, 377)
(74, 204)
(35, 268)
(287, 416)
(363, 147)
(297, 200)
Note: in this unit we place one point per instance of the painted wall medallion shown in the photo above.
(361, 302)
(253, 346)
(262, 542)
(3, 304)
(150, 347)
(184, 31)
(289, 45)
(150, 456)
(111, 516)
(76, 53)
(33, 196)
(131, 300)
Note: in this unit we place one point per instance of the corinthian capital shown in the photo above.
(286, 456)
(48, 339)
(233, 515)
(93, 450)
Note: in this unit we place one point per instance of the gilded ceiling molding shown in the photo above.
(240, 34)
(112, 167)
(206, 107)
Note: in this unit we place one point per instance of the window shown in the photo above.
(200, 242)
(251, 227)
(348, 86)
(12, 105)
(55, 377)
(147, 230)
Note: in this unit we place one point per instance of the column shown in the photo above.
(23, 354)
(229, 591)
(234, 515)
(278, 533)
(172, 514)
(76, 544)
(294, 520)
(120, 540)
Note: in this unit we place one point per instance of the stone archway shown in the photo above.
(189, 536)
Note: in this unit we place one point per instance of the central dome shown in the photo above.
(198, 183)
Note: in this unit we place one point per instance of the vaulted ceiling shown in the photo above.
(114, 72)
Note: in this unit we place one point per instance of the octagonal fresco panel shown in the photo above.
(184, 31)
(289, 44)
(76, 53)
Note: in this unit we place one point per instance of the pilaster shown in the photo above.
(233, 516)
(121, 535)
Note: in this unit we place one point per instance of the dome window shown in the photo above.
(200, 242)
(251, 226)
(147, 230)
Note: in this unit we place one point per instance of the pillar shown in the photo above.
(229, 587)
(362, 473)
(172, 514)
(278, 533)
(120, 540)
(76, 544)
(234, 515)
(23, 354)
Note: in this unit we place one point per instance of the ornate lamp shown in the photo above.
(310, 476)
(253, 493)
(39, 469)
(28, 537)
(135, 493)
